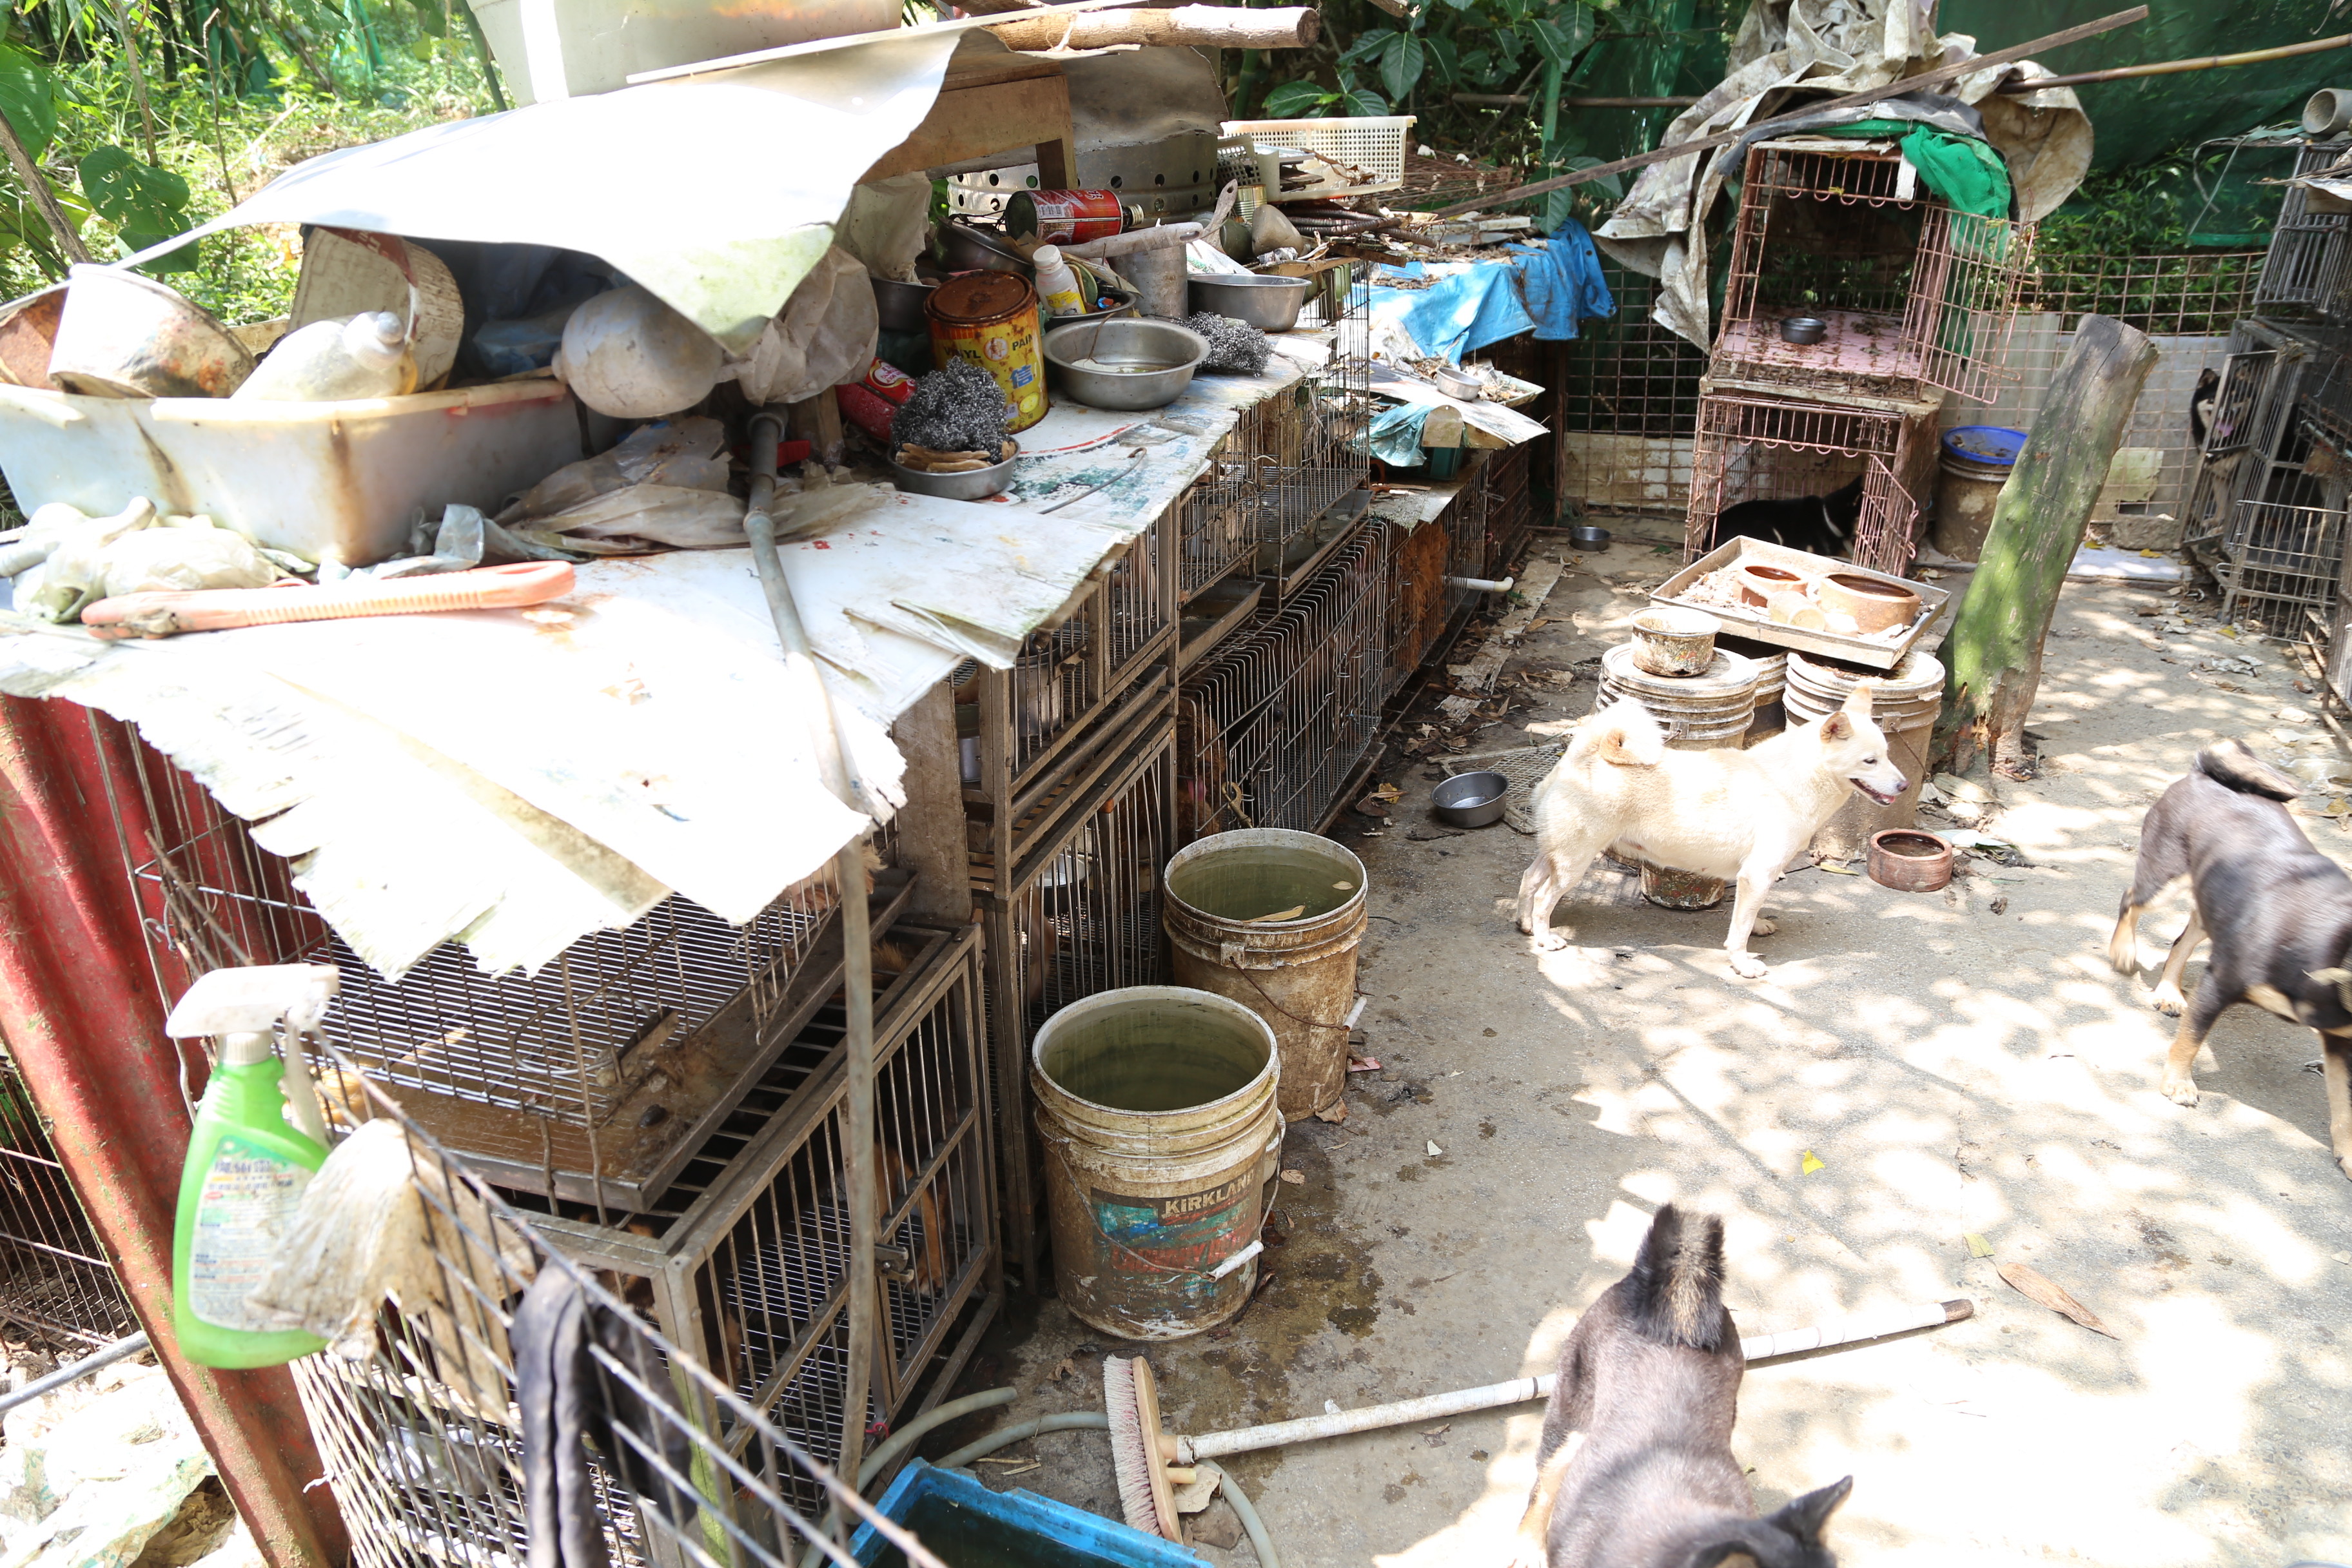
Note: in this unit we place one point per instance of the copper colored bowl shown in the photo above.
(1909, 861)
(1758, 582)
(1875, 605)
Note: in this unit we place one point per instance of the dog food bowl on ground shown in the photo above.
(1585, 537)
(1875, 605)
(1470, 800)
(1909, 861)
(1803, 329)
(1673, 642)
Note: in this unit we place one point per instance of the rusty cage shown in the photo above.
(1756, 449)
(2304, 267)
(1913, 294)
(54, 1280)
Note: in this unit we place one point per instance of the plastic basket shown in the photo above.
(1374, 146)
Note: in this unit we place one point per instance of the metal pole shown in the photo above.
(859, 1166)
(78, 1002)
(73, 1371)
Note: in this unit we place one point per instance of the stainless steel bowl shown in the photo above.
(1458, 384)
(1803, 329)
(1470, 800)
(972, 249)
(978, 485)
(900, 305)
(1123, 364)
(1122, 303)
(1586, 537)
(1269, 304)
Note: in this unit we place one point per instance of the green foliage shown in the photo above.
(27, 98)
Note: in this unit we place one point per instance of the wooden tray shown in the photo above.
(1749, 620)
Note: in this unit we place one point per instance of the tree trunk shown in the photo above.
(1205, 26)
(1993, 659)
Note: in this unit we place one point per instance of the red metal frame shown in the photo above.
(77, 1002)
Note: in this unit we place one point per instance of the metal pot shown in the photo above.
(900, 305)
(1803, 329)
(1584, 536)
(1122, 365)
(1470, 800)
(978, 485)
(1458, 384)
(122, 335)
(1268, 303)
(973, 249)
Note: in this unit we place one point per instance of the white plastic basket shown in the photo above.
(1375, 145)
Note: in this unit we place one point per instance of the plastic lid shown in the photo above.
(1994, 443)
(245, 1050)
(1046, 257)
(981, 296)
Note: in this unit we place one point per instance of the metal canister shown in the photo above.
(1065, 217)
(991, 318)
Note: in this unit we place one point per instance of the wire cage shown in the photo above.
(1912, 293)
(2277, 561)
(2258, 438)
(747, 1262)
(54, 1280)
(2304, 267)
(1506, 494)
(1076, 694)
(1083, 917)
(420, 1422)
(1764, 450)
(1271, 728)
(548, 1082)
(1628, 391)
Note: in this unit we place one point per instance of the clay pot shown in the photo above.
(1795, 610)
(1674, 642)
(1909, 861)
(1759, 583)
(1873, 604)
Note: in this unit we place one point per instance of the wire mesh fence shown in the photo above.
(54, 1280)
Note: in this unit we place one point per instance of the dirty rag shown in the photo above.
(569, 1396)
(1394, 434)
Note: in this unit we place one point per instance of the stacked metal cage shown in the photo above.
(55, 1281)
(1756, 449)
(2306, 270)
(420, 1420)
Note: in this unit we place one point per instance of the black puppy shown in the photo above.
(2279, 912)
(1821, 524)
(2200, 406)
(1636, 1464)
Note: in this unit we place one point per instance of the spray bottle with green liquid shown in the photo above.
(257, 1141)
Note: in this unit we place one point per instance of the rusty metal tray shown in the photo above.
(1749, 620)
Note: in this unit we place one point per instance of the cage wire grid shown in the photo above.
(418, 1418)
(54, 1280)
(1758, 448)
(2279, 560)
(2303, 268)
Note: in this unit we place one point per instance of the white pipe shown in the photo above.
(1482, 584)
(1165, 237)
(1521, 1390)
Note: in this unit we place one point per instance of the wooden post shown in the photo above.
(1993, 659)
(1204, 27)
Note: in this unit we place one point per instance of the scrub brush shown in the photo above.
(1235, 348)
(1131, 1400)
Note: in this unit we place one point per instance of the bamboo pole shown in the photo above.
(36, 184)
(2172, 68)
(1935, 77)
(138, 80)
(1200, 27)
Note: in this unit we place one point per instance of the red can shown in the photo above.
(1065, 217)
(888, 382)
(866, 410)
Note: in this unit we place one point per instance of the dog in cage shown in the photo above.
(1823, 525)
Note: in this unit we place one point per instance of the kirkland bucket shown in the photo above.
(1298, 974)
(1972, 466)
(1905, 703)
(1155, 1105)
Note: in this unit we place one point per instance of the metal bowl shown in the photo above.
(1122, 365)
(1268, 303)
(122, 335)
(900, 305)
(1470, 800)
(973, 249)
(978, 485)
(1122, 303)
(1803, 329)
(1586, 537)
(1458, 384)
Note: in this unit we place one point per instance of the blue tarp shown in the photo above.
(1545, 289)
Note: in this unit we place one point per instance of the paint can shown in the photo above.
(1298, 974)
(1066, 217)
(991, 318)
(1156, 1109)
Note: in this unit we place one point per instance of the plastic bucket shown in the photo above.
(1712, 712)
(1155, 1105)
(1299, 975)
(1771, 677)
(991, 318)
(1972, 464)
(1905, 701)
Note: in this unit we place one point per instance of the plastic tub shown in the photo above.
(1155, 1105)
(321, 479)
(1972, 464)
(1904, 704)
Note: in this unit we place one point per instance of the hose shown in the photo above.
(937, 1416)
(1097, 1421)
(73, 1371)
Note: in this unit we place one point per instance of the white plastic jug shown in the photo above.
(1057, 285)
(327, 361)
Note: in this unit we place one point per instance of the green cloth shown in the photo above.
(1963, 170)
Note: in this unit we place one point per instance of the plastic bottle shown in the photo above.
(327, 361)
(247, 1168)
(1057, 285)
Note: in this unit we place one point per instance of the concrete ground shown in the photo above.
(1957, 1063)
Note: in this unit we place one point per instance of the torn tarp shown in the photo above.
(705, 191)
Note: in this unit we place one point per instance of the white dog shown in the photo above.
(1733, 814)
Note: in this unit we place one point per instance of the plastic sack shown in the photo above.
(682, 453)
(824, 336)
(665, 515)
(69, 578)
(169, 560)
(888, 223)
